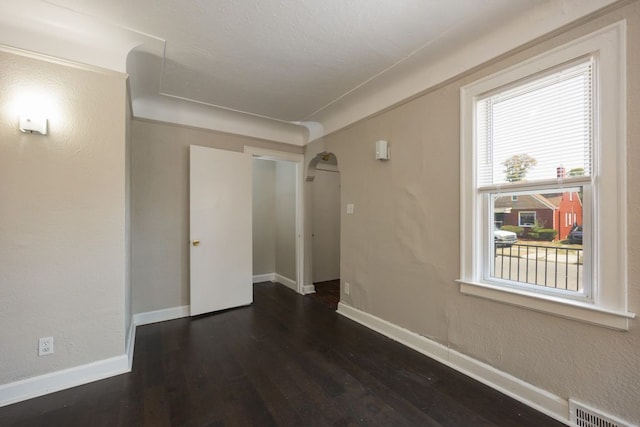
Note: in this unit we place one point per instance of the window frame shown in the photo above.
(607, 306)
(520, 224)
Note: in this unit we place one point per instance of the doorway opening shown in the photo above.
(325, 205)
(277, 217)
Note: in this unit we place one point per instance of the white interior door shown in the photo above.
(220, 228)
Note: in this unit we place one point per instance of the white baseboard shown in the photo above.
(289, 283)
(286, 281)
(308, 289)
(537, 398)
(269, 277)
(161, 315)
(131, 343)
(60, 380)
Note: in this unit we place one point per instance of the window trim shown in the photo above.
(608, 307)
(520, 224)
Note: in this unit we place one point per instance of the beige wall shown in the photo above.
(400, 250)
(160, 207)
(285, 219)
(62, 204)
(264, 233)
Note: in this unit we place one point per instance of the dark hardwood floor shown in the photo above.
(328, 293)
(287, 360)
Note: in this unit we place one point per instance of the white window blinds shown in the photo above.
(537, 130)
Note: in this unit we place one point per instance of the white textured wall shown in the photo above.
(401, 248)
(160, 207)
(264, 210)
(285, 219)
(62, 210)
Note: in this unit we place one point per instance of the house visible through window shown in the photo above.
(541, 160)
(526, 219)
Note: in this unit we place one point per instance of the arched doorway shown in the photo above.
(324, 176)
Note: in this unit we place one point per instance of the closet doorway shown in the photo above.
(277, 218)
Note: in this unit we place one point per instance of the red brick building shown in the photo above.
(559, 211)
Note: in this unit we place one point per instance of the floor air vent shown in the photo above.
(583, 416)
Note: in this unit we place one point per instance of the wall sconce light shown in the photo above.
(33, 124)
(34, 106)
(382, 150)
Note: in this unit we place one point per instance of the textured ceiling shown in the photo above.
(263, 67)
(286, 59)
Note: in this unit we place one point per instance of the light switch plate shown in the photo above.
(350, 208)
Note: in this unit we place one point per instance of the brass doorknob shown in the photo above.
(196, 242)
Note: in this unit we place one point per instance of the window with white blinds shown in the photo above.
(543, 182)
(537, 130)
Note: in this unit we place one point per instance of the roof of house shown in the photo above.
(554, 199)
(528, 202)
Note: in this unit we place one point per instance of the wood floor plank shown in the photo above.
(286, 360)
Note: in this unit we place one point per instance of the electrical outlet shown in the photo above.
(45, 346)
(346, 288)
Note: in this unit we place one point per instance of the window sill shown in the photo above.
(574, 310)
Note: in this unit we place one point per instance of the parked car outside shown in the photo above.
(575, 235)
(504, 238)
